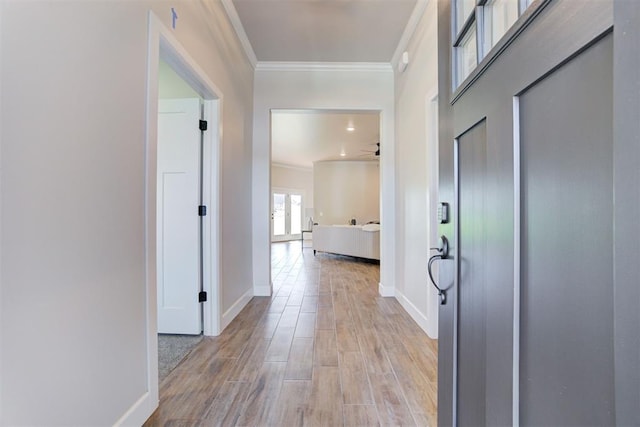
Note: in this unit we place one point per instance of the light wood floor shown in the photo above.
(324, 350)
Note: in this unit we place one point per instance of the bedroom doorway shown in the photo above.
(172, 75)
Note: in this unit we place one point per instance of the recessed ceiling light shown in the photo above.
(350, 129)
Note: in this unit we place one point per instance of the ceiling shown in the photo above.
(334, 31)
(300, 137)
(324, 30)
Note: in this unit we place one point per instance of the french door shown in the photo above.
(286, 215)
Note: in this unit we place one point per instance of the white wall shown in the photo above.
(362, 89)
(72, 259)
(416, 173)
(294, 178)
(171, 85)
(345, 190)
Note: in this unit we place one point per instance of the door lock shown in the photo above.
(443, 253)
(443, 248)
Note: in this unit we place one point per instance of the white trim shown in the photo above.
(1, 364)
(433, 198)
(349, 160)
(386, 291)
(262, 290)
(516, 262)
(288, 190)
(236, 308)
(232, 13)
(323, 66)
(317, 110)
(409, 30)
(144, 407)
(136, 411)
(292, 167)
(212, 224)
(415, 313)
(163, 44)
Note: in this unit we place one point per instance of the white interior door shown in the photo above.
(178, 230)
(286, 216)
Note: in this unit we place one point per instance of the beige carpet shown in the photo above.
(172, 349)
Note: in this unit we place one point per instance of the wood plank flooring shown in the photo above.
(325, 350)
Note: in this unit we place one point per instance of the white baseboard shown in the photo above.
(262, 290)
(386, 291)
(236, 308)
(139, 412)
(417, 315)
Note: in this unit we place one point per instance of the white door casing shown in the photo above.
(179, 311)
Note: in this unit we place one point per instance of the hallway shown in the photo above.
(324, 350)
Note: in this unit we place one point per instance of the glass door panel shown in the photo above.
(279, 215)
(296, 214)
(286, 216)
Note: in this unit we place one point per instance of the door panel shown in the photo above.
(279, 215)
(472, 279)
(178, 222)
(286, 216)
(566, 365)
(296, 214)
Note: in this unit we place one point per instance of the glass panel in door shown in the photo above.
(296, 214)
(279, 215)
(286, 216)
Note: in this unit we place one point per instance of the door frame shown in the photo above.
(162, 44)
(432, 161)
(262, 190)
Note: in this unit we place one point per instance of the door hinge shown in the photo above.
(202, 296)
(203, 125)
(202, 210)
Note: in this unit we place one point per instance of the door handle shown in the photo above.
(443, 253)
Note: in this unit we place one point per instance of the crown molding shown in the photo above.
(232, 13)
(409, 31)
(323, 66)
(292, 167)
(374, 160)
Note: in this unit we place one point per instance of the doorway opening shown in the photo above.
(325, 172)
(180, 234)
(175, 78)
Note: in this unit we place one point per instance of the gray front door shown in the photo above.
(471, 150)
(527, 158)
(566, 281)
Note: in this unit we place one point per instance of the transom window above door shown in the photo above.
(478, 27)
